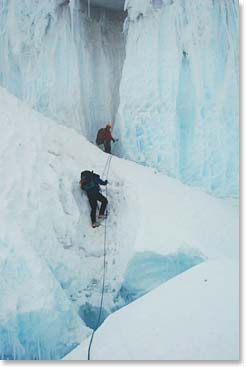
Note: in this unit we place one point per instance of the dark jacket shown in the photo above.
(97, 181)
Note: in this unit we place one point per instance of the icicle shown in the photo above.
(89, 8)
(39, 350)
(71, 5)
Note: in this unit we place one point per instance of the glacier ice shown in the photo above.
(51, 262)
(166, 73)
(37, 321)
(63, 63)
(90, 314)
(108, 4)
(194, 316)
(147, 270)
(179, 108)
(170, 82)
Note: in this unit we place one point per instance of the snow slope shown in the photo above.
(192, 317)
(45, 226)
(44, 217)
(170, 84)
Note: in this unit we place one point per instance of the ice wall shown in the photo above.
(178, 94)
(179, 103)
(64, 60)
(37, 321)
(38, 59)
(100, 47)
(147, 270)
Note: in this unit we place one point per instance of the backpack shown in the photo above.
(87, 180)
(100, 136)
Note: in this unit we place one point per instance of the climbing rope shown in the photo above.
(105, 171)
(106, 167)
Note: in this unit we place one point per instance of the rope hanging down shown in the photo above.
(105, 171)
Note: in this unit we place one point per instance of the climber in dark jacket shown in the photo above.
(90, 182)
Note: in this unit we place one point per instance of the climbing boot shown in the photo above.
(95, 225)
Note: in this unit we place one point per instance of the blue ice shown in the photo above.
(147, 270)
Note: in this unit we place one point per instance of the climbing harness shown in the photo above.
(106, 173)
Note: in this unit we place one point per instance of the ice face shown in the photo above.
(62, 60)
(172, 81)
(37, 321)
(38, 62)
(179, 107)
(100, 52)
(147, 270)
(177, 99)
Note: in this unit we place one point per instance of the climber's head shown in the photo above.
(108, 125)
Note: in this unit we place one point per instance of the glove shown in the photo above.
(106, 182)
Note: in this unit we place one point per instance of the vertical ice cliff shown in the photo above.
(99, 40)
(176, 98)
(64, 60)
(37, 57)
(179, 91)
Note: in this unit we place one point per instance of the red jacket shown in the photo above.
(108, 135)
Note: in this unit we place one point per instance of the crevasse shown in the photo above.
(170, 81)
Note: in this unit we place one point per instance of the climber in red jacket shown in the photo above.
(104, 137)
